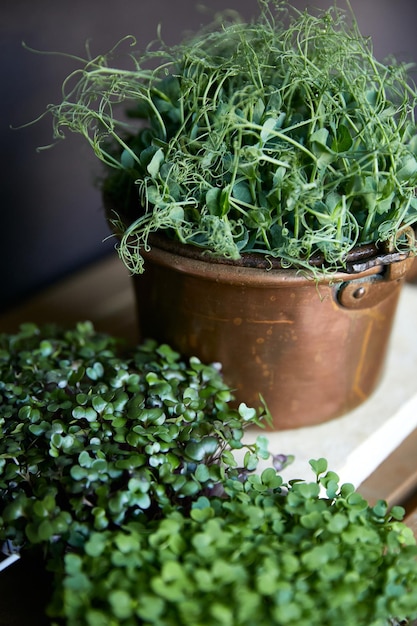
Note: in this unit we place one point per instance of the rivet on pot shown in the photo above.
(359, 293)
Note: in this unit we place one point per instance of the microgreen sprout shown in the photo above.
(284, 136)
(268, 554)
(90, 438)
(119, 469)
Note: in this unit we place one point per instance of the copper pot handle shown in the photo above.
(362, 293)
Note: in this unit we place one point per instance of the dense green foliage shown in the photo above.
(268, 555)
(119, 467)
(284, 136)
(91, 438)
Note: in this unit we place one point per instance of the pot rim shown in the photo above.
(363, 261)
(180, 258)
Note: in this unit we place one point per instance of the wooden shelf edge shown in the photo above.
(395, 479)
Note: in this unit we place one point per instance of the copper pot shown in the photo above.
(412, 272)
(313, 350)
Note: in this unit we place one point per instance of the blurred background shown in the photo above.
(52, 220)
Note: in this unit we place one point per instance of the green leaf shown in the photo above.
(56, 440)
(320, 137)
(319, 466)
(84, 459)
(93, 616)
(337, 523)
(44, 532)
(332, 487)
(202, 473)
(95, 372)
(29, 413)
(268, 128)
(78, 473)
(88, 413)
(155, 163)
(408, 169)
(347, 489)
(197, 451)
(141, 484)
(357, 502)
(258, 110)
(228, 458)
(320, 148)
(100, 518)
(172, 582)
(242, 193)
(223, 614)
(319, 555)
(142, 500)
(121, 603)
(176, 214)
(312, 520)
(343, 140)
(250, 461)
(224, 203)
(127, 543)
(271, 479)
(202, 515)
(150, 607)
(14, 510)
(130, 462)
(213, 201)
(397, 512)
(307, 490)
(247, 413)
(380, 509)
(126, 159)
(287, 613)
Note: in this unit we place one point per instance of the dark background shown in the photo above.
(51, 215)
